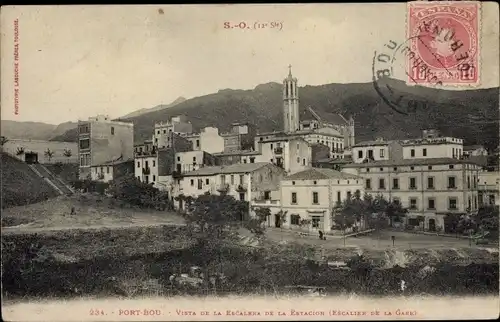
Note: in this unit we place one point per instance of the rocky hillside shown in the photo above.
(472, 114)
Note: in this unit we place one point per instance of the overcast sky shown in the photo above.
(77, 62)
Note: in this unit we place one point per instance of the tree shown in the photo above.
(20, 151)
(395, 211)
(256, 225)
(3, 140)
(212, 221)
(67, 153)
(49, 154)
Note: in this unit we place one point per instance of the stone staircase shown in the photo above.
(57, 183)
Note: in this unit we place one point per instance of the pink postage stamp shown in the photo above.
(444, 38)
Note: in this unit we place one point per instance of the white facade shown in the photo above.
(101, 173)
(208, 140)
(313, 193)
(489, 188)
(431, 148)
(292, 154)
(189, 161)
(427, 187)
(146, 168)
(372, 150)
(329, 137)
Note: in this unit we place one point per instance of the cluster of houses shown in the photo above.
(303, 170)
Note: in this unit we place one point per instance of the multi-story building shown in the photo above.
(313, 194)
(208, 140)
(291, 153)
(101, 140)
(193, 160)
(430, 146)
(337, 133)
(162, 130)
(111, 170)
(428, 187)
(157, 165)
(240, 138)
(243, 181)
(488, 185)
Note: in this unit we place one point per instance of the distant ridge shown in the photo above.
(153, 109)
(470, 114)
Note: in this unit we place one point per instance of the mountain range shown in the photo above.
(471, 114)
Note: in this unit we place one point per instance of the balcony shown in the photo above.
(146, 171)
(223, 187)
(241, 188)
(278, 150)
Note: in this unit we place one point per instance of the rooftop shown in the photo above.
(233, 168)
(231, 153)
(408, 162)
(319, 174)
(113, 162)
(473, 147)
(372, 142)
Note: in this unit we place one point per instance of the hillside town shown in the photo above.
(305, 170)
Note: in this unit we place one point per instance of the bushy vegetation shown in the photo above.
(485, 220)
(376, 212)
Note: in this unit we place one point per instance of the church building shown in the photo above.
(336, 132)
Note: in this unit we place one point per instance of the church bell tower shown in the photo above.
(290, 103)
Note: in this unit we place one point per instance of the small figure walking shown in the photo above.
(403, 286)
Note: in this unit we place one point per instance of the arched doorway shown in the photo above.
(432, 225)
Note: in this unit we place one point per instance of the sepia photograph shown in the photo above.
(250, 162)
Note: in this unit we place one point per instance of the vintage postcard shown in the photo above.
(250, 162)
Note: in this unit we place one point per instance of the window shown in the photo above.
(429, 167)
(349, 195)
(470, 203)
(207, 181)
(154, 178)
(178, 158)
(381, 169)
(164, 131)
(107, 169)
(370, 154)
(85, 144)
(360, 154)
(430, 182)
(200, 184)
(412, 168)
(381, 184)
(192, 182)
(395, 169)
(146, 164)
(451, 183)
(194, 160)
(244, 160)
(298, 159)
(424, 152)
(396, 201)
(315, 182)
(242, 196)
(413, 203)
(146, 179)
(112, 130)
(295, 220)
(197, 143)
(294, 198)
(315, 221)
(368, 184)
(102, 169)
(271, 146)
(154, 163)
(293, 183)
(338, 196)
(267, 195)
(382, 153)
(252, 160)
(451, 166)
(431, 203)
(395, 183)
(138, 164)
(412, 153)
(452, 203)
(413, 183)
(315, 198)
(367, 169)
